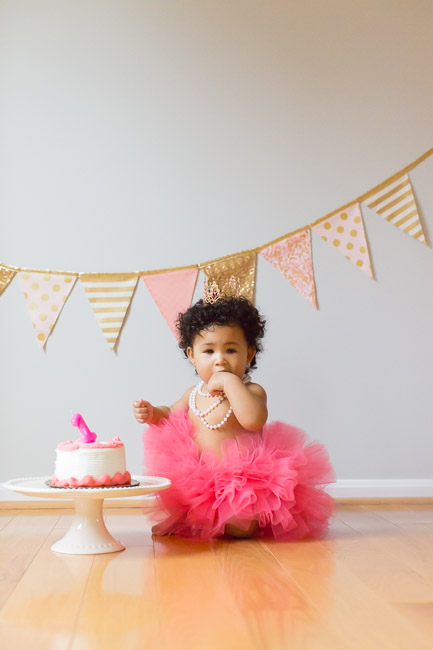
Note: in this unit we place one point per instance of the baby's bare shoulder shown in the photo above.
(183, 402)
(257, 390)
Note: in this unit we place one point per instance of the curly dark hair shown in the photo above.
(226, 311)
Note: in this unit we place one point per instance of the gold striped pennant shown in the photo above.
(109, 295)
(395, 202)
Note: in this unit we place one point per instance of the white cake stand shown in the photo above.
(88, 533)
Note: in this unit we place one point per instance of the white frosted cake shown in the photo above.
(87, 463)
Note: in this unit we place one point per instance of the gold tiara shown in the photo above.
(214, 290)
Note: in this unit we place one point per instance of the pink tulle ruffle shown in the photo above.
(273, 477)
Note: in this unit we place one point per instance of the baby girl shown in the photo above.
(231, 473)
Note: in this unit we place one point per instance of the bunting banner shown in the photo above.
(292, 258)
(172, 293)
(345, 232)
(109, 295)
(45, 295)
(172, 289)
(395, 202)
(241, 267)
(6, 276)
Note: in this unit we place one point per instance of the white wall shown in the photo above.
(139, 135)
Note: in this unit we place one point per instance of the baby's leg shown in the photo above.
(234, 531)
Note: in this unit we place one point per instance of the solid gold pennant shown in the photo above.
(239, 270)
(6, 277)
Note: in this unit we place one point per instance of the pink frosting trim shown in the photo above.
(79, 444)
(91, 481)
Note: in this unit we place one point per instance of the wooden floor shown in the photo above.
(367, 585)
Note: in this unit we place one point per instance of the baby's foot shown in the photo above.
(157, 529)
(235, 531)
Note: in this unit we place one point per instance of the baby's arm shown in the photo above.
(247, 400)
(146, 413)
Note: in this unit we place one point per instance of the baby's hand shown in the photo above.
(143, 411)
(216, 383)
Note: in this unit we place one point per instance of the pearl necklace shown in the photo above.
(202, 414)
(246, 379)
(200, 392)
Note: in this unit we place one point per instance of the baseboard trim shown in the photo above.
(381, 489)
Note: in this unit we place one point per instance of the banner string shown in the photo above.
(202, 265)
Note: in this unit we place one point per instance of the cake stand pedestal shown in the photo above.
(88, 533)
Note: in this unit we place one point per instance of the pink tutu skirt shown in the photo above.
(272, 477)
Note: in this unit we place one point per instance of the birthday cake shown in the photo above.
(88, 463)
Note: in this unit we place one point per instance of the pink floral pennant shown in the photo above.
(292, 258)
(345, 232)
(45, 295)
(172, 292)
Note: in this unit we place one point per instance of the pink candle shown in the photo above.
(86, 435)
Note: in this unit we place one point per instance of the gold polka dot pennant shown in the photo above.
(241, 267)
(110, 295)
(345, 232)
(6, 277)
(395, 202)
(45, 295)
